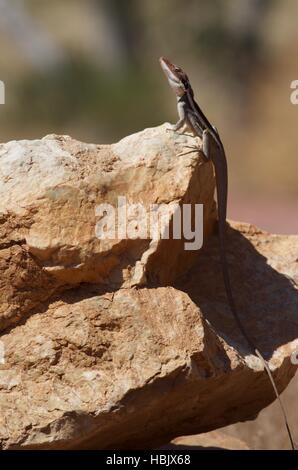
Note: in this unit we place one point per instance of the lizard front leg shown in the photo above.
(183, 121)
(181, 108)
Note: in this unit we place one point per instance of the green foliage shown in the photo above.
(83, 93)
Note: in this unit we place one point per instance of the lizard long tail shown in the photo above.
(226, 277)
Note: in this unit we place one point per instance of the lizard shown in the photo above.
(191, 116)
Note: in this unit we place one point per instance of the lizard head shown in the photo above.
(177, 79)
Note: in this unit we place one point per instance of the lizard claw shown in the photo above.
(173, 129)
(193, 148)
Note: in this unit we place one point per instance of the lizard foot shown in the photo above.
(172, 129)
(192, 148)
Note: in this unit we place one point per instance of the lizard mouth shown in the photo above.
(168, 69)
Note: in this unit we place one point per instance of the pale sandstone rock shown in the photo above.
(49, 191)
(136, 367)
(91, 362)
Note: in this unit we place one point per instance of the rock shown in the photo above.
(137, 367)
(90, 361)
(214, 440)
(49, 197)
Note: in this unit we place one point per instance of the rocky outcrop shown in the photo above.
(128, 343)
(50, 193)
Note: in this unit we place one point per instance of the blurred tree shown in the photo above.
(38, 47)
(233, 38)
(120, 44)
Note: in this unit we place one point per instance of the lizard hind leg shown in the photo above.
(193, 148)
(205, 149)
(206, 145)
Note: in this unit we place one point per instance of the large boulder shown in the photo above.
(127, 343)
(50, 192)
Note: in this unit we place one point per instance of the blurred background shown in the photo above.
(90, 69)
